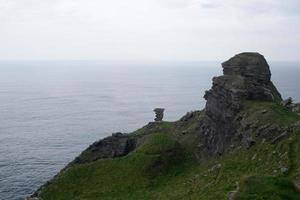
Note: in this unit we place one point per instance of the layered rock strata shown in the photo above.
(246, 76)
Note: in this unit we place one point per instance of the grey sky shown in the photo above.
(148, 29)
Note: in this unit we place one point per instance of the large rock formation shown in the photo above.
(246, 76)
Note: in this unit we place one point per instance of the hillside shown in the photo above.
(245, 144)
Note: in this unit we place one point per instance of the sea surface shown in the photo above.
(51, 111)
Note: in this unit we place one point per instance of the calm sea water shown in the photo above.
(51, 111)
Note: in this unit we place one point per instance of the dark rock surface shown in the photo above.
(117, 145)
(246, 76)
(249, 65)
(188, 116)
(159, 114)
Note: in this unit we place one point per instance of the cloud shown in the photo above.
(175, 3)
(147, 29)
(274, 7)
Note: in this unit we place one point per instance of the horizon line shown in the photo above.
(125, 60)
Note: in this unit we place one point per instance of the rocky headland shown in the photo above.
(245, 144)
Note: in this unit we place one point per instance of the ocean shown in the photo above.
(50, 111)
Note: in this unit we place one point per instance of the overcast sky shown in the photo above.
(185, 30)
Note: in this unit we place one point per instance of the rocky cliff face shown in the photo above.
(246, 76)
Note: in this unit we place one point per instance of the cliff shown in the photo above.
(243, 145)
(246, 76)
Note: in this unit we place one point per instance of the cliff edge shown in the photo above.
(246, 76)
(244, 144)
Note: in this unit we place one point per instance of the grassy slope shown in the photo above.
(267, 187)
(166, 169)
(275, 113)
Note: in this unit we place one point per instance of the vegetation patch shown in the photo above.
(163, 167)
(135, 176)
(273, 112)
(265, 188)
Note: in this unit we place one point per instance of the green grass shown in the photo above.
(267, 188)
(131, 177)
(275, 113)
(278, 186)
(164, 168)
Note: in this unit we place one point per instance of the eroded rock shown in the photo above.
(117, 145)
(159, 114)
(188, 116)
(246, 76)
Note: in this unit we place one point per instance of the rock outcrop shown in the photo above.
(117, 145)
(246, 76)
(159, 114)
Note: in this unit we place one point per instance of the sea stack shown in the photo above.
(159, 114)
